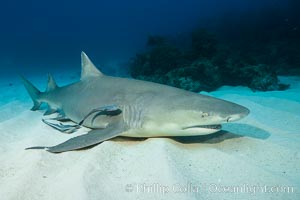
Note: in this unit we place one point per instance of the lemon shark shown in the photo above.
(113, 106)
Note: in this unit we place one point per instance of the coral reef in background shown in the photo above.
(207, 64)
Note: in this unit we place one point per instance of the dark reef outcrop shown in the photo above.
(204, 65)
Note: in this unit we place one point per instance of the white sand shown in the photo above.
(262, 150)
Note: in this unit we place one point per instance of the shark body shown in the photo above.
(112, 106)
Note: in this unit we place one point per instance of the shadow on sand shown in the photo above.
(229, 132)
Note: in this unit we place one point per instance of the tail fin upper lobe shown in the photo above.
(33, 92)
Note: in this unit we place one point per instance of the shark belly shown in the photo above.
(167, 132)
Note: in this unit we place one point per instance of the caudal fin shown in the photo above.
(33, 92)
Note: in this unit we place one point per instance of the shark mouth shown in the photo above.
(213, 127)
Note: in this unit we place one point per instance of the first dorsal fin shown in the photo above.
(88, 69)
(51, 84)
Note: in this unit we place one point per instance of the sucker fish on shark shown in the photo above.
(112, 106)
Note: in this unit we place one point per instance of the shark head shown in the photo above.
(192, 114)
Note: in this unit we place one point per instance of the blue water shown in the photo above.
(48, 36)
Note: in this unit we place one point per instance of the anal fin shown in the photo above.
(36, 106)
(50, 111)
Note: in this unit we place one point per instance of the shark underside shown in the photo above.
(112, 106)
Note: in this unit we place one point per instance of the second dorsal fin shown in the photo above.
(88, 69)
(51, 84)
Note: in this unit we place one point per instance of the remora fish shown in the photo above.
(112, 106)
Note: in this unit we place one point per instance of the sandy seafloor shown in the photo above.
(255, 158)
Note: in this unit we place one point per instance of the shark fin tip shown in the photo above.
(88, 69)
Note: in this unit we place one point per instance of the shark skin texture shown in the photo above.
(113, 106)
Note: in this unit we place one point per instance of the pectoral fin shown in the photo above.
(93, 137)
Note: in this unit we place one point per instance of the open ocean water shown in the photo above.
(48, 36)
